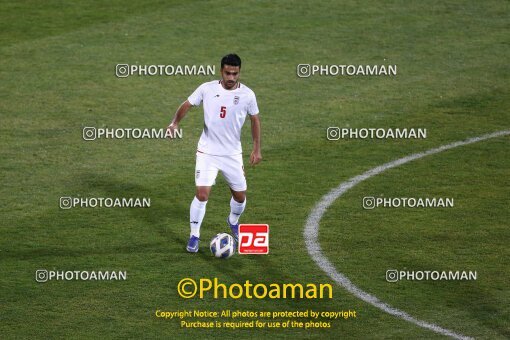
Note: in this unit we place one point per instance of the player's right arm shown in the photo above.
(179, 115)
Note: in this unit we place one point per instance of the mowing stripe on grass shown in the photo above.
(311, 232)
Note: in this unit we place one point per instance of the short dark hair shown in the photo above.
(231, 59)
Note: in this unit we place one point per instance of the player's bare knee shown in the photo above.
(239, 196)
(202, 195)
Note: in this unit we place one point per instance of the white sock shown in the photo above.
(236, 209)
(196, 215)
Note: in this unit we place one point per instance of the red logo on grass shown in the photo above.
(253, 239)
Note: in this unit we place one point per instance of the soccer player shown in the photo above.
(226, 103)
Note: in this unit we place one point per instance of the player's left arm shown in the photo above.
(256, 154)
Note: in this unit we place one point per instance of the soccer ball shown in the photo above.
(222, 246)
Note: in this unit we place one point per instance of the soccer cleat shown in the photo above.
(193, 244)
(235, 230)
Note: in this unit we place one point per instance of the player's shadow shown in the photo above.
(166, 205)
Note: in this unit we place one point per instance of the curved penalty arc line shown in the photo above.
(311, 232)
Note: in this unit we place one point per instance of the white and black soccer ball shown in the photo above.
(222, 246)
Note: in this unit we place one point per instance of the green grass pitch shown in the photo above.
(57, 62)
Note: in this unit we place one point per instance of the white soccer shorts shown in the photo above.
(207, 167)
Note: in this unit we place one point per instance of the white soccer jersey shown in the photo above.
(224, 115)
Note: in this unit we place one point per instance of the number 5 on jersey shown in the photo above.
(223, 112)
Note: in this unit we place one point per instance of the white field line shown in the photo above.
(311, 232)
